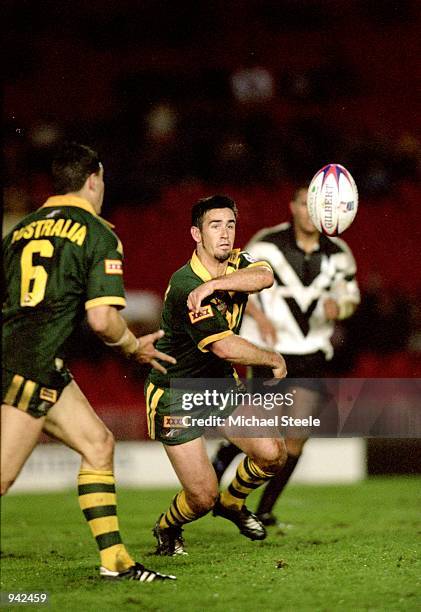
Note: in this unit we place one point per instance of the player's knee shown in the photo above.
(105, 446)
(100, 452)
(203, 501)
(273, 458)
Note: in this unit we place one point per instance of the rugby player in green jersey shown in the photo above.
(202, 313)
(59, 262)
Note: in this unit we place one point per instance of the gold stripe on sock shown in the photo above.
(243, 488)
(91, 500)
(183, 507)
(246, 475)
(173, 516)
(257, 471)
(105, 529)
(104, 524)
(179, 512)
(174, 512)
(164, 522)
(87, 477)
(230, 501)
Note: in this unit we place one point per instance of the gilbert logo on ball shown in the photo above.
(332, 199)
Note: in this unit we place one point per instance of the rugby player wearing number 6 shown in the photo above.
(201, 317)
(59, 261)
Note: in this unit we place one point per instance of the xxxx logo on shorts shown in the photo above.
(174, 421)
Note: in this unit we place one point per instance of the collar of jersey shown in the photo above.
(298, 243)
(71, 200)
(199, 269)
(203, 273)
(313, 250)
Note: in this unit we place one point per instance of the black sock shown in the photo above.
(224, 456)
(276, 485)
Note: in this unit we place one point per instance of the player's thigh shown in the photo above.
(73, 421)
(19, 435)
(307, 402)
(192, 466)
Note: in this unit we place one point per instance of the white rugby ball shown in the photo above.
(332, 199)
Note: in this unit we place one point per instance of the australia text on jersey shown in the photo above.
(63, 228)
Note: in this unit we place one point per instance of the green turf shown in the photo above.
(348, 548)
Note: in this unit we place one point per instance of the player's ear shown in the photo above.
(196, 234)
(92, 182)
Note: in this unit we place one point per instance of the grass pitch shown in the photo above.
(347, 548)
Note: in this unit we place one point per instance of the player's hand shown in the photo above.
(196, 297)
(331, 309)
(278, 373)
(267, 331)
(147, 353)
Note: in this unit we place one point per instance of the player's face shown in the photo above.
(218, 233)
(300, 214)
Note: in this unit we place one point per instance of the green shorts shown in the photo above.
(31, 396)
(169, 422)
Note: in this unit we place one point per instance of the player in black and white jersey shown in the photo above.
(315, 285)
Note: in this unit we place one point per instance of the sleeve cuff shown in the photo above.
(109, 300)
(260, 264)
(213, 338)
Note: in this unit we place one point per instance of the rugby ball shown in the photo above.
(332, 199)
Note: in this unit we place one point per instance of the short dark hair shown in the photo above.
(72, 165)
(204, 204)
(297, 192)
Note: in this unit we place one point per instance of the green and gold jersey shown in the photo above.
(58, 261)
(188, 335)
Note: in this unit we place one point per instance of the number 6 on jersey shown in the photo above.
(34, 278)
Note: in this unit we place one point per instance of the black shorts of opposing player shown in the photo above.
(306, 380)
(308, 369)
(33, 397)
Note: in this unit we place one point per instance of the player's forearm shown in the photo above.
(248, 280)
(254, 311)
(109, 325)
(238, 350)
(347, 296)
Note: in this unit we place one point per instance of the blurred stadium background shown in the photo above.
(247, 98)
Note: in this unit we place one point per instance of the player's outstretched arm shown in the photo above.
(110, 326)
(147, 353)
(267, 329)
(238, 350)
(344, 295)
(247, 280)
